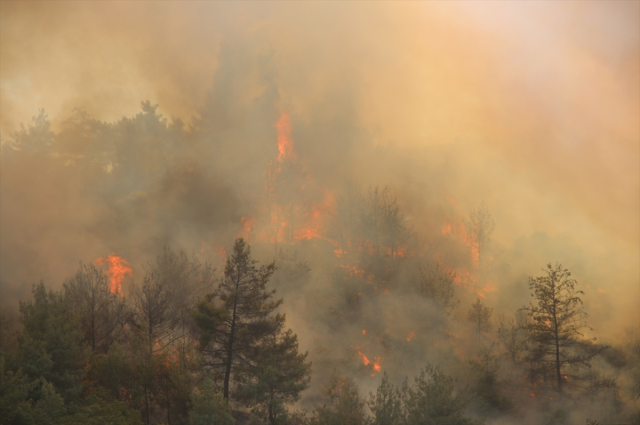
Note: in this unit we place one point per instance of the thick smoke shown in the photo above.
(530, 109)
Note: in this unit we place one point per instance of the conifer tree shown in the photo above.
(480, 317)
(556, 345)
(386, 404)
(248, 314)
(277, 376)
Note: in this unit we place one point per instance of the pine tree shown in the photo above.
(208, 407)
(433, 400)
(248, 314)
(480, 316)
(346, 407)
(555, 343)
(277, 376)
(386, 404)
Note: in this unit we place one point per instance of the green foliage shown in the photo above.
(487, 387)
(248, 320)
(386, 404)
(209, 407)
(208, 318)
(51, 345)
(433, 400)
(15, 406)
(114, 373)
(277, 375)
(345, 404)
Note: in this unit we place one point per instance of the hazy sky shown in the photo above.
(540, 99)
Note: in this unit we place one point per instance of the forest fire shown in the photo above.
(294, 207)
(118, 268)
(276, 272)
(375, 363)
(285, 142)
(459, 230)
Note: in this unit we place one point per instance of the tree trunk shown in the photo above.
(272, 418)
(557, 342)
(227, 372)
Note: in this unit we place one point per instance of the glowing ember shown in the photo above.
(364, 332)
(410, 336)
(117, 269)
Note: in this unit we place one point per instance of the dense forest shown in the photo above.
(239, 289)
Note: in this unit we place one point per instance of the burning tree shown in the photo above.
(481, 227)
(384, 231)
(287, 194)
(103, 314)
(555, 344)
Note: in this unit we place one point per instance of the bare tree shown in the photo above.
(481, 227)
(169, 292)
(511, 336)
(103, 314)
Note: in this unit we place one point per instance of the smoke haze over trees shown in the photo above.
(408, 168)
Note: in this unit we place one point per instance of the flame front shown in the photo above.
(118, 268)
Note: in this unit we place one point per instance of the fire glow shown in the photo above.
(375, 364)
(118, 268)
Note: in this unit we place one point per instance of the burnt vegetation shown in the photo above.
(327, 294)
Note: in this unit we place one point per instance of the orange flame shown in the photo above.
(410, 336)
(375, 364)
(364, 332)
(285, 142)
(459, 229)
(117, 269)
